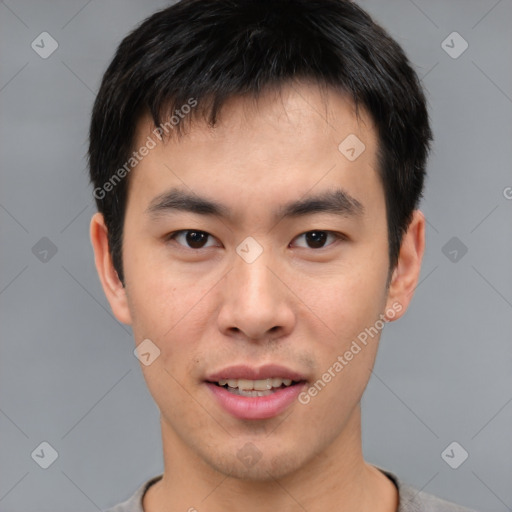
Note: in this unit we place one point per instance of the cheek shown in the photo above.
(172, 316)
(346, 357)
(346, 302)
(159, 295)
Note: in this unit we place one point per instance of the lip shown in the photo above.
(257, 407)
(247, 372)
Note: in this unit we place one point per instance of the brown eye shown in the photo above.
(316, 239)
(190, 238)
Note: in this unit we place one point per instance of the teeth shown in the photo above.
(277, 382)
(250, 393)
(257, 385)
(245, 384)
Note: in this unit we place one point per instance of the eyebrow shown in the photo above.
(335, 201)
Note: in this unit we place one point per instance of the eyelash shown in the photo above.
(337, 236)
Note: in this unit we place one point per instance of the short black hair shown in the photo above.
(208, 51)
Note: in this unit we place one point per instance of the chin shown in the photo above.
(251, 465)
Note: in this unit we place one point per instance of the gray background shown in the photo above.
(67, 372)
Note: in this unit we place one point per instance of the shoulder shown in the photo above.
(413, 500)
(134, 503)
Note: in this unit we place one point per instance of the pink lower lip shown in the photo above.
(256, 407)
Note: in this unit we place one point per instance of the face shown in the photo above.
(279, 281)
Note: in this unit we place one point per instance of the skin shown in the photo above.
(295, 305)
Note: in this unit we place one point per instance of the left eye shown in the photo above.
(316, 239)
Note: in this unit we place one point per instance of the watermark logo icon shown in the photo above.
(44, 45)
(44, 455)
(454, 249)
(454, 45)
(352, 147)
(146, 352)
(454, 455)
(249, 454)
(249, 250)
(44, 250)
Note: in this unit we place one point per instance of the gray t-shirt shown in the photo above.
(410, 499)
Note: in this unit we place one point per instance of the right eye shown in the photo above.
(190, 238)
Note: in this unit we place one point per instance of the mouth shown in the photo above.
(250, 393)
(253, 388)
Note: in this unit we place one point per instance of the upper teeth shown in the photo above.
(258, 385)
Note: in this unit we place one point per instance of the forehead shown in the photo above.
(277, 146)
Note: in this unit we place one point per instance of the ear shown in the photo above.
(112, 286)
(407, 271)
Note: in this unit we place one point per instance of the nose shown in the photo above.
(257, 303)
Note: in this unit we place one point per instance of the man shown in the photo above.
(257, 167)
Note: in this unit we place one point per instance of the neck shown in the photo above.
(336, 479)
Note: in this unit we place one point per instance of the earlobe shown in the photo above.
(407, 271)
(112, 285)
